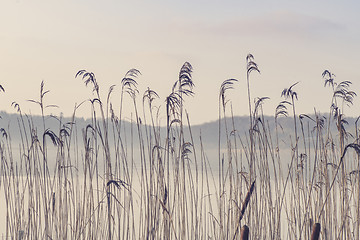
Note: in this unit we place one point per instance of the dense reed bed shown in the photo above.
(103, 181)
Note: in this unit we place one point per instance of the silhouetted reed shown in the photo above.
(121, 175)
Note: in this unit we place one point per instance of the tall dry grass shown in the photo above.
(109, 180)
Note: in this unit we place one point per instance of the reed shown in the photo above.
(245, 232)
(126, 175)
(315, 232)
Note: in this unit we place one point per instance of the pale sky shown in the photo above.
(48, 40)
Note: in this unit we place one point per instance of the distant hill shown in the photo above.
(209, 131)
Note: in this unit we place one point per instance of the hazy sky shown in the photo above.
(291, 41)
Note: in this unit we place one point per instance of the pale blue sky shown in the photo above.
(291, 41)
